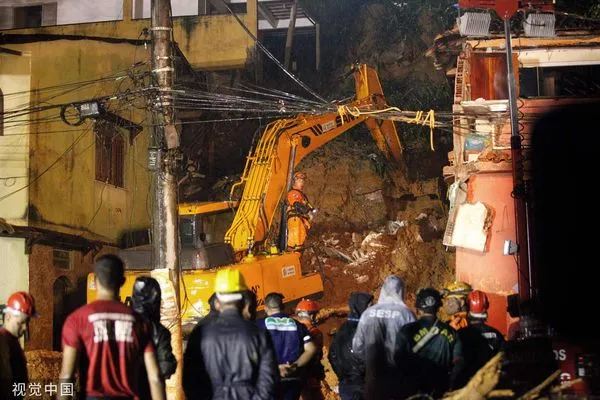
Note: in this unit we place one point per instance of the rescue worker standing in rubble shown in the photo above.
(306, 314)
(293, 346)
(480, 341)
(145, 300)
(456, 304)
(229, 358)
(299, 213)
(349, 369)
(434, 349)
(20, 308)
(375, 341)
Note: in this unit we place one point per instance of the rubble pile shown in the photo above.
(44, 368)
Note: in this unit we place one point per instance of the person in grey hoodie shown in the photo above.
(375, 341)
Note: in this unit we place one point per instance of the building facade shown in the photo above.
(550, 73)
(72, 186)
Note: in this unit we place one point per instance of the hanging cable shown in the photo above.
(272, 57)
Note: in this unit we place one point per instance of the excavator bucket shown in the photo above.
(383, 131)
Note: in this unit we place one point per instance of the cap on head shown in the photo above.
(478, 304)
(428, 300)
(229, 285)
(457, 289)
(307, 306)
(21, 303)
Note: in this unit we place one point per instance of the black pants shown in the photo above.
(289, 389)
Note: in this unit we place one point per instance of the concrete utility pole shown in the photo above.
(165, 236)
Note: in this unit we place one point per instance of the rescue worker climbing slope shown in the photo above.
(349, 369)
(375, 341)
(230, 358)
(306, 314)
(299, 213)
(434, 349)
(456, 303)
(20, 307)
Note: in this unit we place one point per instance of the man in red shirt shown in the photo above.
(113, 339)
(20, 307)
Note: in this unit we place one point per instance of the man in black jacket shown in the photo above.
(349, 369)
(430, 348)
(145, 300)
(230, 358)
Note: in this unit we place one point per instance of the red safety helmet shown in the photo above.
(478, 304)
(307, 306)
(22, 302)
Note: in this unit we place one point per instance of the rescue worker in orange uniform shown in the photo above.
(456, 303)
(306, 314)
(299, 213)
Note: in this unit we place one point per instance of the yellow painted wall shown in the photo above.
(14, 144)
(67, 197)
(208, 41)
(13, 268)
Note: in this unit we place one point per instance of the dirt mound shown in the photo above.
(44, 369)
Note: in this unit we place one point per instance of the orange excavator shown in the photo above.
(267, 176)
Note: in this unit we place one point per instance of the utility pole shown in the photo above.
(165, 236)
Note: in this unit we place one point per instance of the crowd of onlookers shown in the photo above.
(382, 351)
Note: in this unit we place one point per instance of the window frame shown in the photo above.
(109, 154)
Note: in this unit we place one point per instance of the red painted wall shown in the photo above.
(491, 271)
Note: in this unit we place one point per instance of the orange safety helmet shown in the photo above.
(308, 306)
(299, 175)
(21, 303)
(478, 304)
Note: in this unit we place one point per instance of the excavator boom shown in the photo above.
(286, 142)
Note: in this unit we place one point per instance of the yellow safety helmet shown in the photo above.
(229, 284)
(457, 289)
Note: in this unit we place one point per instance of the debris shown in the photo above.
(373, 240)
(535, 392)
(362, 279)
(421, 216)
(361, 256)
(376, 196)
(502, 393)
(356, 238)
(393, 227)
(482, 383)
(335, 253)
(470, 226)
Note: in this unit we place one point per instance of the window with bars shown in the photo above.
(110, 154)
(62, 259)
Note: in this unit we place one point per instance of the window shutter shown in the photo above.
(6, 18)
(49, 13)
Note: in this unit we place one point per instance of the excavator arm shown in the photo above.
(284, 143)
